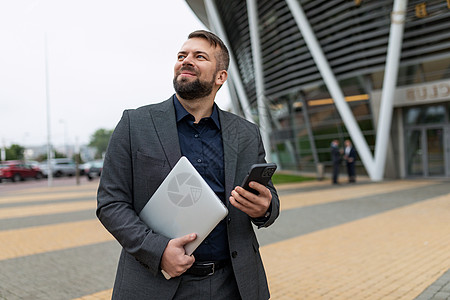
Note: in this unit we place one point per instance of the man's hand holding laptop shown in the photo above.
(174, 260)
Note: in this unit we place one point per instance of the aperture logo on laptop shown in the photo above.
(182, 199)
(184, 190)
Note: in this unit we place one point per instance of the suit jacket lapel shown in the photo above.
(230, 150)
(164, 120)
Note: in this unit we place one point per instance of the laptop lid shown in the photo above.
(183, 204)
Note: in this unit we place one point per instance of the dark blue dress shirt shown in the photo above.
(202, 144)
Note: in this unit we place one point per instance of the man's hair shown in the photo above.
(223, 57)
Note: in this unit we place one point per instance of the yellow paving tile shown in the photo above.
(40, 239)
(393, 255)
(47, 197)
(46, 209)
(105, 295)
(341, 193)
(303, 184)
(90, 186)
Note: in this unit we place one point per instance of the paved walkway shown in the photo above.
(388, 240)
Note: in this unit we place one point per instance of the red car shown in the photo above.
(18, 171)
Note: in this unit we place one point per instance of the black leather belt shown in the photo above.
(205, 268)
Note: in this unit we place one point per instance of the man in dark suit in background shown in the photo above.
(145, 145)
(336, 159)
(350, 158)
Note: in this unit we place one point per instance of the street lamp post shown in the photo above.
(49, 144)
(66, 147)
(3, 151)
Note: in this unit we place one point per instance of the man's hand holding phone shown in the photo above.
(253, 197)
(253, 205)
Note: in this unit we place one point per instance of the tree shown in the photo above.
(77, 158)
(15, 152)
(99, 140)
(56, 154)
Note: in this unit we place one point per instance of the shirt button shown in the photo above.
(234, 254)
(199, 160)
(196, 135)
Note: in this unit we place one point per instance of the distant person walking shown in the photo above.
(350, 158)
(336, 159)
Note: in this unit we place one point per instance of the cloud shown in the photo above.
(103, 57)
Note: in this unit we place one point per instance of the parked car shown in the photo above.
(93, 169)
(19, 170)
(60, 167)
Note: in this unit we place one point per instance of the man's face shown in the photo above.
(195, 70)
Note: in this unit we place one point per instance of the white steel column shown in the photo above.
(389, 84)
(333, 86)
(233, 73)
(214, 22)
(235, 104)
(264, 121)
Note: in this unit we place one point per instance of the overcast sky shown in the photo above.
(104, 56)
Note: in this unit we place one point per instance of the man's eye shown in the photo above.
(201, 56)
(181, 57)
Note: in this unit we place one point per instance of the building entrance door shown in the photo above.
(428, 151)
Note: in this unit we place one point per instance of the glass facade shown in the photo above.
(354, 38)
(428, 140)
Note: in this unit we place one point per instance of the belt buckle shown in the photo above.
(213, 265)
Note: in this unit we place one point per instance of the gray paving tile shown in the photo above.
(439, 290)
(24, 222)
(64, 274)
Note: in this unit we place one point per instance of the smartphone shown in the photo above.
(260, 173)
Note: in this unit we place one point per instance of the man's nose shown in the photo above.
(187, 61)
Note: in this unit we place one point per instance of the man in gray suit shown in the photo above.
(145, 145)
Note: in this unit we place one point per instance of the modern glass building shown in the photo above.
(309, 83)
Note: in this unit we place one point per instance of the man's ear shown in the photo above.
(221, 77)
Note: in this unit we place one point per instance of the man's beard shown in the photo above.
(192, 90)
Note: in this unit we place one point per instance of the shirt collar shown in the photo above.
(181, 112)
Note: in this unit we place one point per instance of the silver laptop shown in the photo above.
(184, 203)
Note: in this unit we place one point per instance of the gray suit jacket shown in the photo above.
(142, 150)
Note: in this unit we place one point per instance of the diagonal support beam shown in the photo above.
(332, 85)
(389, 83)
(374, 166)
